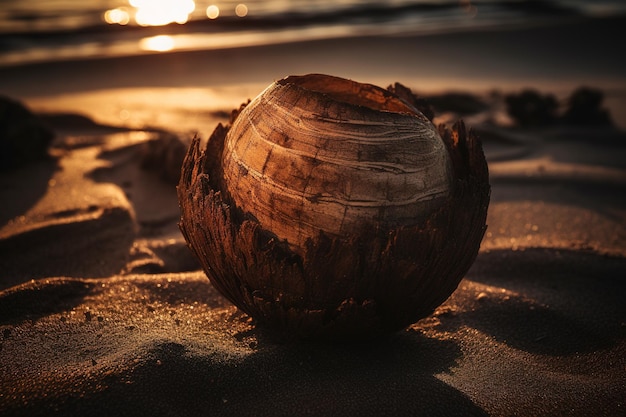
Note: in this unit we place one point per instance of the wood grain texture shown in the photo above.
(319, 153)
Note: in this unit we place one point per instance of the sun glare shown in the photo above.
(162, 12)
(241, 10)
(117, 16)
(212, 11)
(159, 43)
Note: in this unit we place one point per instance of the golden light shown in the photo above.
(162, 12)
(160, 43)
(241, 10)
(212, 11)
(117, 16)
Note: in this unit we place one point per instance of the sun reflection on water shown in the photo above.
(162, 12)
(118, 16)
(165, 12)
(152, 12)
(160, 43)
(241, 10)
(212, 12)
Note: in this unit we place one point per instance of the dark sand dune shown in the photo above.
(539, 332)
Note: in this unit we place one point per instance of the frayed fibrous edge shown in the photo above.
(363, 287)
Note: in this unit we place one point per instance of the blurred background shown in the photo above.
(44, 30)
(182, 64)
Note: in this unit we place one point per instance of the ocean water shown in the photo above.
(43, 30)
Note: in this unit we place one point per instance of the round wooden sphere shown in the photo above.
(320, 153)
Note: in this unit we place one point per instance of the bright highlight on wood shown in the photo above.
(321, 153)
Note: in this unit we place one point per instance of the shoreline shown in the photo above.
(549, 58)
(559, 54)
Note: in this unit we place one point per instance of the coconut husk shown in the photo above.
(362, 286)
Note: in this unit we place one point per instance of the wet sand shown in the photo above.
(103, 310)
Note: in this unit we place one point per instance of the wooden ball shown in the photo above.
(320, 153)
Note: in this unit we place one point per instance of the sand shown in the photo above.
(103, 310)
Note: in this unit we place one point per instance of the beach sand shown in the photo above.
(104, 310)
